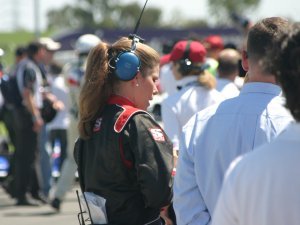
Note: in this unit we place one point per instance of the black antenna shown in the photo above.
(87, 205)
(138, 22)
(134, 35)
(81, 212)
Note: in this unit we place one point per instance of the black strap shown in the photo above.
(78, 159)
(186, 54)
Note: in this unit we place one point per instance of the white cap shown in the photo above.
(1, 52)
(49, 43)
(86, 42)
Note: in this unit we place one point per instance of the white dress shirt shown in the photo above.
(216, 136)
(61, 91)
(167, 80)
(263, 187)
(178, 108)
(227, 88)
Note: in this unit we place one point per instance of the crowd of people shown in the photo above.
(43, 120)
(224, 152)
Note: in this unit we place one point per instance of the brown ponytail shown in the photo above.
(95, 90)
(100, 81)
(207, 80)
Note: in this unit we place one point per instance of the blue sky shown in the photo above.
(171, 8)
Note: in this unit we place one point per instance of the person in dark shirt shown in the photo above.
(123, 155)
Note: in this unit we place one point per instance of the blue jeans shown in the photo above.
(45, 161)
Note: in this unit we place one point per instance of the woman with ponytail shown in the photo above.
(123, 155)
(196, 84)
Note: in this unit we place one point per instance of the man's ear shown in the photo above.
(245, 63)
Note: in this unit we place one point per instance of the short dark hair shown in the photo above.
(20, 51)
(262, 35)
(285, 60)
(33, 48)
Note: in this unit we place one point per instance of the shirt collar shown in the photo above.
(291, 132)
(186, 80)
(119, 100)
(224, 80)
(260, 87)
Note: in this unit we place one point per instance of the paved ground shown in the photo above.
(41, 215)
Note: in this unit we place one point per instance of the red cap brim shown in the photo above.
(165, 59)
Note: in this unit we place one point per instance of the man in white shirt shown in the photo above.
(218, 134)
(228, 70)
(263, 187)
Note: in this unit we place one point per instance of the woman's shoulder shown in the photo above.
(126, 115)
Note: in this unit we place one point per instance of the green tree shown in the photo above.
(223, 9)
(69, 17)
(103, 14)
(152, 17)
(128, 15)
(100, 10)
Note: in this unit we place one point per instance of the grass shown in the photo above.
(3, 130)
(4, 136)
(10, 41)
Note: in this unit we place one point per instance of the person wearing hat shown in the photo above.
(50, 48)
(214, 44)
(197, 88)
(74, 73)
(28, 123)
(215, 136)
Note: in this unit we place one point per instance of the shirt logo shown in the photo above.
(157, 134)
(97, 125)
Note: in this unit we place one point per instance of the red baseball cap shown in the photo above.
(196, 51)
(214, 42)
(165, 59)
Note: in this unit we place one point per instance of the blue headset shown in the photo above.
(185, 64)
(127, 63)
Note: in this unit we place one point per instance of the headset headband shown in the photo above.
(127, 63)
(186, 54)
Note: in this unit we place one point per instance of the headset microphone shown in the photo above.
(127, 63)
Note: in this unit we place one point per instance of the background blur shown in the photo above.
(24, 20)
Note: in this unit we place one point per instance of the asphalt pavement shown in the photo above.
(39, 215)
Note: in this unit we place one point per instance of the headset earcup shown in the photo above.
(127, 66)
(183, 67)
